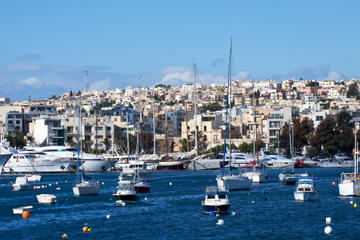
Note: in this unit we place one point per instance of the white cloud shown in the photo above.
(334, 76)
(243, 76)
(31, 81)
(101, 85)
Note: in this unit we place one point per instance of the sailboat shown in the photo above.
(290, 178)
(257, 176)
(350, 182)
(86, 186)
(229, 181)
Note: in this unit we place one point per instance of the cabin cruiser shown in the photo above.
(216, 201)
(37, 162)
(305, 190)
(46, 198)
(125, 190)
(88, 162)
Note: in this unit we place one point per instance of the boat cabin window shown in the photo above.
(307, 189)
(300, 189)
(125, 187)
(222, 196)
(211, 196)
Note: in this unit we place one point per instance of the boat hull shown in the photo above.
(349, 188)
(94, 165)
(233, 183)
(142, 188)
(256, 177)
(39, 167)
(306, 196)
(126, 197)
(220, 209)
(85, 190)
(172, 165)
(3, 159)
(206, 164)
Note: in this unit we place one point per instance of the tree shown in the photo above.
(325, 134)
(352, 90)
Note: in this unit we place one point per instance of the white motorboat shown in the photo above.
(216, 201)
(125, 191)
(276, 161)
(46, 198)
(305, 190)
(290, 178)
(33, 177)
(33, 162)
(20, 210)
(21, 184)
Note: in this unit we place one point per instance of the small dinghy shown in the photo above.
(46, 198)
(21, 184)
(20, 210)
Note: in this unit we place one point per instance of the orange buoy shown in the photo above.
(64, 236)
(85, 229)
(25, 214)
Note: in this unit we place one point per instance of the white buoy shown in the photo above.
(220, 222)
(328, 220)
(217, 215)
(107, 216)
(328, 230)
(145, 198)
(170, 183)
(351, 202)
(252, 202)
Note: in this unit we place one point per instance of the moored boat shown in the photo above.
(216, 201)
(305, 190)
(21, 184)
(46, 198)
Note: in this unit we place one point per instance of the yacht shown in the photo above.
(305, 190)
(216, 201)
(5, 153)
(125, 190)
(271, 160)
(86, 187)
(88, 162)
(256, 176)
(33, 162)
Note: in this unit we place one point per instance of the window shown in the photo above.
(204, 128)
(17, 121)
(319, 118)
(211, 196)
(222, 196)
(274, 124)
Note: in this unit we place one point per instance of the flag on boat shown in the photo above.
(86, 177)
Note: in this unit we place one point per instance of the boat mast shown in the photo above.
(229, 102)
(166, 135)
(154, 130)
(79, 137)
(195, 113)
(127, 134)
(187, 129)
(226, 125)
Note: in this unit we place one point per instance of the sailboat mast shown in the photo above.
(154, 129)
(79, 137)
(229, 102)
(127, 134)
(195, 109)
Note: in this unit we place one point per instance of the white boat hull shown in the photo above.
(82, 189)
(336, 164)
(3, 159)
(349, 188)
(20, 210)
(39, 167)
(94, 165)
(34, 178)
(305, 196)
(256, 177)
(46, 198)
(233, 182)
(205, 164)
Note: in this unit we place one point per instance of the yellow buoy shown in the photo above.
(64, 236)
(89, 229)
(102, 183)
(85, 229)
(355, 205)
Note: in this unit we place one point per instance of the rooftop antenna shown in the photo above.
(86, 81)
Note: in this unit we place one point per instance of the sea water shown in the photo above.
(173, 211)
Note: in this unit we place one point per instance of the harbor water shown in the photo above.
(173, 211)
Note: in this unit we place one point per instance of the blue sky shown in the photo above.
(47, 45)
